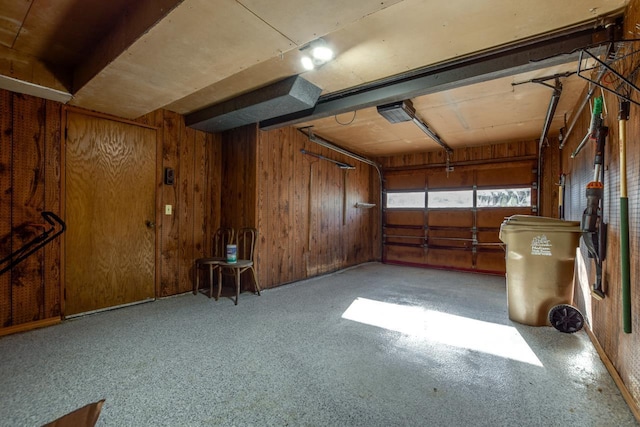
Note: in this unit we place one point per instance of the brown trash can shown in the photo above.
(540, 262)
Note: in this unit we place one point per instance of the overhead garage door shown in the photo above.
(451, 219)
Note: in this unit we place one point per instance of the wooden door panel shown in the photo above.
(110, 195)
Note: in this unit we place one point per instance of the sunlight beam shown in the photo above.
(457, 331)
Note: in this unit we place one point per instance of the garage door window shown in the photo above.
(451, 199)
(406, 199)
(504, 197)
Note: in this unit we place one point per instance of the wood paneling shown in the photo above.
(305, 207)
(195, 197)
(170, 236)
(31, 148)
(239, 177)
(6, 206)
(605, 316)
(53, 202)
(508, 152)
(29, 184)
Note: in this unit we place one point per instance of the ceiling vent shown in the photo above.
(291, 95)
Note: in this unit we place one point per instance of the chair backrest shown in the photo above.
(246, 241)
(222, 237)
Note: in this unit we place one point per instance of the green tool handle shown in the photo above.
(625, 279)
(624, 265)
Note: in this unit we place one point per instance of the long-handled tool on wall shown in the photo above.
(594, 230)
(618, 74)
(623, 117)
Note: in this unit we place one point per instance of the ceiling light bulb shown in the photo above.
(307, 63)
(322, 53)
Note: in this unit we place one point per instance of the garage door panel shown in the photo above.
(493, 217)
(491, 261)
(449, 258)
(414, 180)
(457, 237)
(404, 236)
(510, 176)
(404, 217)
(450, 218)
(489, 236)
(448, 237)
(404, 254)
(441, 179)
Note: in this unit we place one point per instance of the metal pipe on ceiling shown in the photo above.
(583, 104)
(520, 57)
(551, 111)
(425, 128)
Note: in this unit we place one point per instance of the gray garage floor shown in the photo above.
(373, 345)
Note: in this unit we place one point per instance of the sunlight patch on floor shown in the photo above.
(462, 332)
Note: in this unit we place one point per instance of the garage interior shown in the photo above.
(146, 127)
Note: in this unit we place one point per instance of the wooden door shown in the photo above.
(110, 200)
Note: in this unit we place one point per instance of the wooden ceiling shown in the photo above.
(129, 58)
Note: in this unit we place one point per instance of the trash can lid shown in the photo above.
(516, 224)
(539, 221)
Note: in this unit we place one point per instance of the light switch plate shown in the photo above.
(168, 209)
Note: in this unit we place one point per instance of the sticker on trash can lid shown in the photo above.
(540, 245)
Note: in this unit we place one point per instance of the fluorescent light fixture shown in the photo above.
(317, 54)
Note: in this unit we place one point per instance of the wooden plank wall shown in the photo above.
(305, 207)
(238, 192)
(30, 182)
(490, 152)
(605, 317)
(185, 235)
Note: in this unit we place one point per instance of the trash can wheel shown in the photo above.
(566, 318)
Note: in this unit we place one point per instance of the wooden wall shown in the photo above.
(238, 191)
(303, 207)
(605, 317)
(185, 235)
(30, 182)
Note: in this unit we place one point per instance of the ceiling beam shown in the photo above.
(27, 74)
(505, 61)
(133, 23)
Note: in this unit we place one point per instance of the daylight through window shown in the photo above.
(414, 199)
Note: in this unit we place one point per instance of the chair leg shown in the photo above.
(219, 282)
(211, 281)
(237, 284)
(255, 279)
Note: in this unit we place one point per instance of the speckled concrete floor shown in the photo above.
(374, 345)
